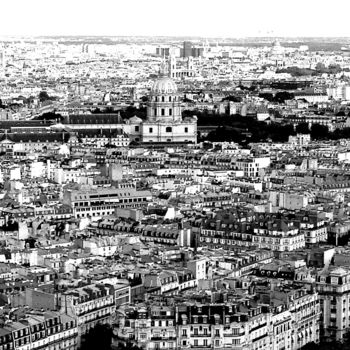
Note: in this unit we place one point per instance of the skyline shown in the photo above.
(195, 18)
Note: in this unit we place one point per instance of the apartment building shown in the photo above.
(243, 324)
(333, 286)
(89, 305)
(103, 201)
(40, 330)
(278, 235)
(151, 328)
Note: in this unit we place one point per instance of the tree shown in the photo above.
(50, 116)
(222, 134)
(320, 67)
(128, 346)
(282, 96)
(99, 337)
(319, 132)
(144, 98)
(232, 98)
(340, 114)
(330, 344)
(267, 96)
(44, 96)
(302, 128)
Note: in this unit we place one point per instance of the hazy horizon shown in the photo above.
(221, 19)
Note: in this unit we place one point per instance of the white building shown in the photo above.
(164, 120)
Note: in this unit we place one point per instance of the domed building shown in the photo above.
(277, 49)
(164, 120)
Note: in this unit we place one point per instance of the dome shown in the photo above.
(276, 43)
(135, 120)
(59, 127)
(164, 85)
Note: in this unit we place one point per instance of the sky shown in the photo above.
(204, 18)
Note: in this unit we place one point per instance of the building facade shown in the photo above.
(164, 120)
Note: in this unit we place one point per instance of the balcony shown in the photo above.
(61, 340)
(163, 338)
(233, 335)
(200, 335)
(257, 327)
(93, 309)
(259, 338)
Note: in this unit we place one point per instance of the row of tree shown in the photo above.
(343, 344)
(245, 130)
(319, 69)
(100, 338)
(279, 97)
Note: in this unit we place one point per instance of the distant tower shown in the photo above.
(190, 66)
(172, 66)
(2, 58)
(187, 49)
(134, 94)
(107, 97)
(206, 47)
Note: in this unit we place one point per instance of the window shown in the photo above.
(169, 98)
(186, 129)
(162, 111)
(168, 129)
(155, 111)
(235, 331)
(150, 130)
(137, 128)
(163, 98)
(170, 111)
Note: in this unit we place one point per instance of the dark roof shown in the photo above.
(99, 132)
(8, 124)
(94, 119)
(36, 137)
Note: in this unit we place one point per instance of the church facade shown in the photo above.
(164, 123)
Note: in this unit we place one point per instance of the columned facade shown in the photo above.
(164, 120)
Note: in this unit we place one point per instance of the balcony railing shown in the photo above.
(163, 338)
(193, 335)
(233, 335)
